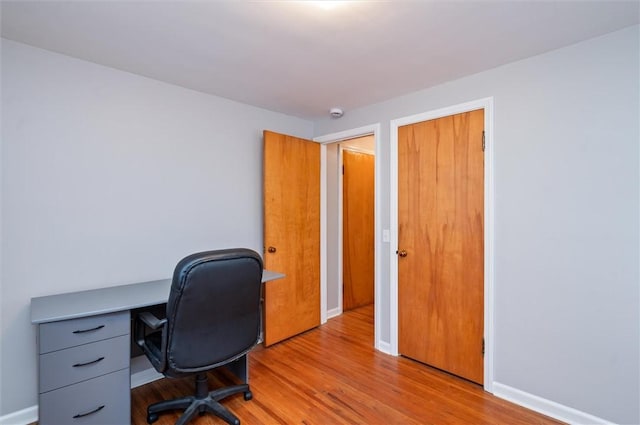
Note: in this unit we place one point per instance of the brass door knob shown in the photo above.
(402, 253)
(271, 249)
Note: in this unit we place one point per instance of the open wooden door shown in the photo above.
(358, 193)
(291, 235)
(441, 243)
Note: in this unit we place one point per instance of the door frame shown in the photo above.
(489, 229)
(372, 129)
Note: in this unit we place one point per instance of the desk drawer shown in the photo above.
(104, 400)
(65, 367)
(70, 333)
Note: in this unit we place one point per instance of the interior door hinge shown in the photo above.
(482, 347)
(343, 169)
(483, 143)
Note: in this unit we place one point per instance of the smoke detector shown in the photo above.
(336, 112)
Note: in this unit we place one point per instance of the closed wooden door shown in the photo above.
(357, 229)
(441, 243)
(291, 235)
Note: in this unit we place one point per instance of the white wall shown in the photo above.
(1, 231)
(567, 300)
(110, 178)
(334, 274)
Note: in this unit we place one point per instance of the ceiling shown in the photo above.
(302, 57)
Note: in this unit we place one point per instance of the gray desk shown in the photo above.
(84, 351)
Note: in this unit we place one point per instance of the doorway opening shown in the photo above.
(356, 209)
(364, 140)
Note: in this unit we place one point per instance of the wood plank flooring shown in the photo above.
(333, 375)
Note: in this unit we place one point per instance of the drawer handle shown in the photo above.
(88, 330)
(82, 415)
(88, 363)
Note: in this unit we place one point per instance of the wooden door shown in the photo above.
(357, 229)
(441, 243)
(291, 235)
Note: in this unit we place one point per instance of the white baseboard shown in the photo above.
(21, 417)
(546, 407)
(144, 377)
(385, 347)
(334, 312)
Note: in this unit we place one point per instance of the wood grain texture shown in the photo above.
(333, 375)
(292, 226)
(358, 228)
(441, 220)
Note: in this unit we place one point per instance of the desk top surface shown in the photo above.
(73, 305)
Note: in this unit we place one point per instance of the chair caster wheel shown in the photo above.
(152, 417)
(248, 396)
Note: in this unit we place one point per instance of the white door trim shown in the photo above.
(373, 129)
(489, 229)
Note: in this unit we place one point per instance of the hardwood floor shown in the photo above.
(333, 375)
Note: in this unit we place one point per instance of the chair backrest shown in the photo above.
(214, 309)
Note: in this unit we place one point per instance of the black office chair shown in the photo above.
(213, 318)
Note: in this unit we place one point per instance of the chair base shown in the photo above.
(200, 403)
